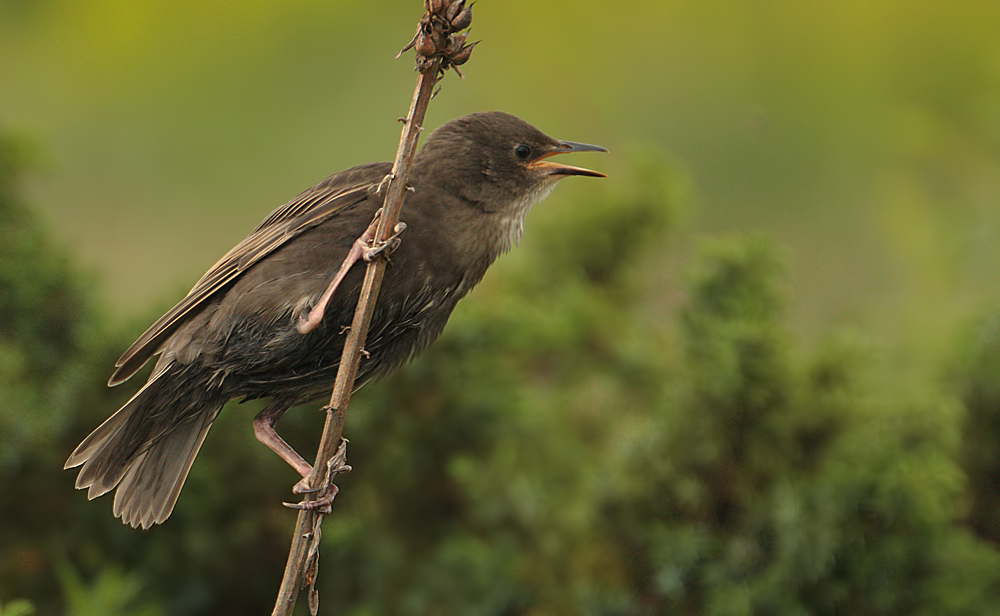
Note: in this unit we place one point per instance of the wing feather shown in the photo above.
(319, 203)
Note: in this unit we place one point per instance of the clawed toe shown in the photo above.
(328, 490)
(390, 244)
(322, 504)
(303, 487)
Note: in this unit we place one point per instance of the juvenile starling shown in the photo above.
(258, 323)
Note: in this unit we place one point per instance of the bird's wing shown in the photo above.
(305, 211)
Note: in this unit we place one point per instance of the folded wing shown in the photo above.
(317, 204)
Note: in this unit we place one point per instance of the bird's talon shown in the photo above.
(303, 487)
(390, 244)
(323, 504)
(318, 506)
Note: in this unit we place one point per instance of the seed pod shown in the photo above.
(463, 55)
(434, 6)
(454, 9)
(463, 19)
(425, 45)
(455, 44)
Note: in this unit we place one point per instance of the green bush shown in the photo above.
(569, 446)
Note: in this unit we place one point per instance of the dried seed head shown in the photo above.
(425, 45)
(454, 9)
(455, 44)
(434, 39)
(463, 55)
(463, 19)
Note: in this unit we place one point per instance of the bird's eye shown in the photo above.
(522, 151)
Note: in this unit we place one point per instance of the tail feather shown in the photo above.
(102, 465)
(148, 491)
(147, 447)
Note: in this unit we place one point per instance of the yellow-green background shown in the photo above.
(864, 135)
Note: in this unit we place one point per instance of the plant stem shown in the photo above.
(306, 526)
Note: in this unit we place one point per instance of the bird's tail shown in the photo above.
(146, 448)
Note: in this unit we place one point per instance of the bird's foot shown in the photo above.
(390, 244)
(322, 503)
(327, 490)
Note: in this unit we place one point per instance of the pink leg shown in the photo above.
(362, 248)
(358, 248)
(263, 429)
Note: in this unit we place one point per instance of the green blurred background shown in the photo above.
(757, 370)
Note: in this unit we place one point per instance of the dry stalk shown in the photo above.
(438, 46)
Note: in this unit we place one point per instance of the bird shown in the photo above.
(268, 319)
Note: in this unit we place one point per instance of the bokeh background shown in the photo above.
(755, 371)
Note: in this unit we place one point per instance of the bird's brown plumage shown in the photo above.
(234, 334)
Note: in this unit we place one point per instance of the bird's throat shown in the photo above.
(511, 217)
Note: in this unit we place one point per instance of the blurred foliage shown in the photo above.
(976, 377)
(797, 415)
(44, 323)
(18, 607)
(556, 452)
(110, 593)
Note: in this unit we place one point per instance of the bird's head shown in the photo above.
(495, 157)
(498, 162)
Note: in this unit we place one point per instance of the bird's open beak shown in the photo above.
(550, 168)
